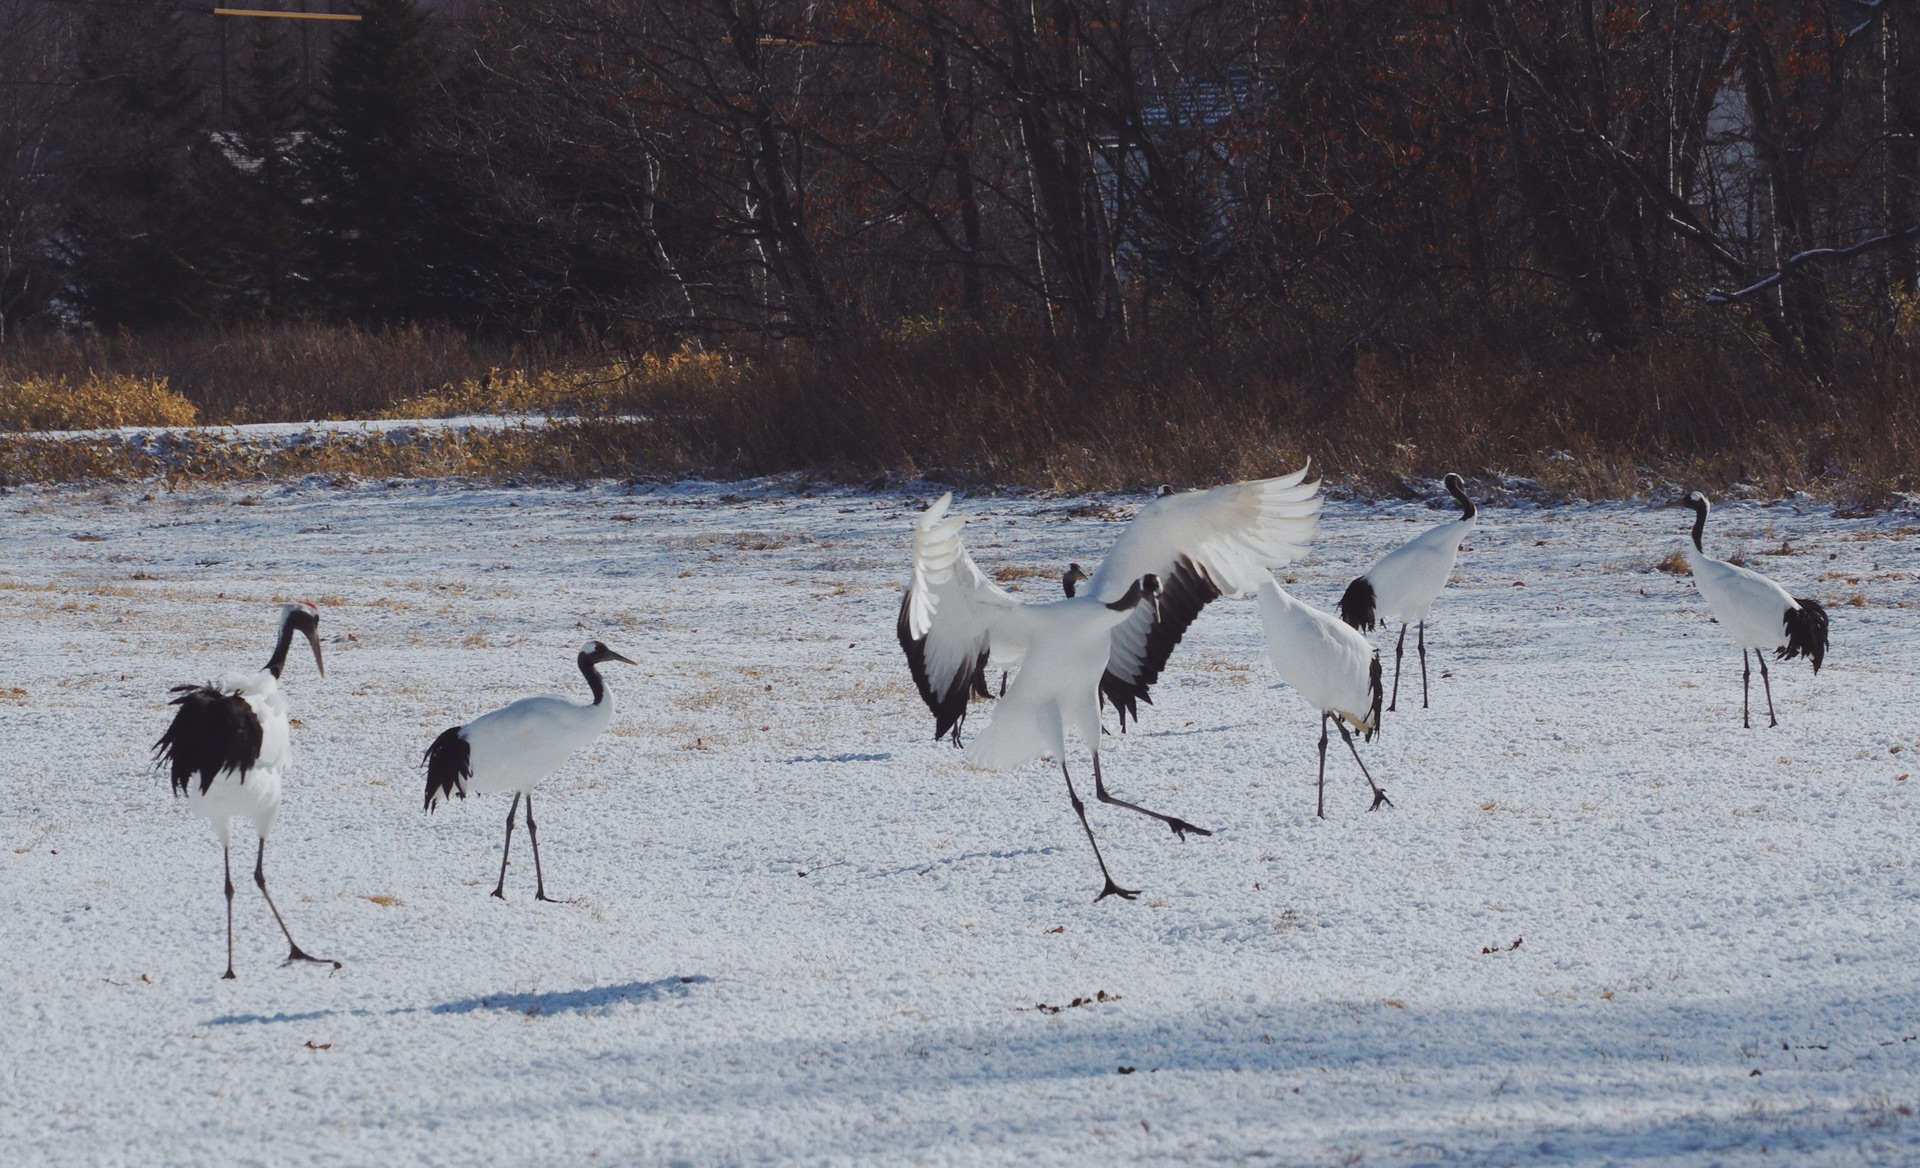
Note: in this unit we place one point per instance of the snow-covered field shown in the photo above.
(1604, 925)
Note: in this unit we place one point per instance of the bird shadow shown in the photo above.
(593, 999)
(841, 758)
(251, 1019)
(590, 1000)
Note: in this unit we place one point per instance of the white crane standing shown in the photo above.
(517, 745)
(227, 750)
(1404, 583)
(1757, 612)
(1332, 667)
(1178, 553)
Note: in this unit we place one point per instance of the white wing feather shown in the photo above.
(1228, 537)
(952, 606)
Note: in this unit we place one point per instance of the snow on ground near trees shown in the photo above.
(1603, 925)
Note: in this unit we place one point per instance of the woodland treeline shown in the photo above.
(1584, 176)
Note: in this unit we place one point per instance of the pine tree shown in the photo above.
(136, 243)
(264, 187)
(385, 193)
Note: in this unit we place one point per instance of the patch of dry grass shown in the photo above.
(98, 402)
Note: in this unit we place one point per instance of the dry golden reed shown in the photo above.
(101, 401)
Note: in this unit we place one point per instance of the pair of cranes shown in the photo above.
(1110, 642)
(229, 746)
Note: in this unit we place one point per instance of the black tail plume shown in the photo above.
(449, 764)
(1357, 604)
(1806, 633)
(1379, 696)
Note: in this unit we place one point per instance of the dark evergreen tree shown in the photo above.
(135, 241)
(387, 196)
(264, 189)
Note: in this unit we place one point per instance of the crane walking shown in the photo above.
(1757, 612)
(517, 745)
(232, 736)
(1405, 582)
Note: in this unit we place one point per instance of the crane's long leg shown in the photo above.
(1423, 667)
(226, 851)
(1399, 651)
(1768, 683)
(533, 833)
(1180, 826)
(1746, 690)
(1320, 800)
(500, 889)
(1379, 796)
(294, 952)
(1080, 809)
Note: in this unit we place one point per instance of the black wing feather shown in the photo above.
(950, 712)
(1379, 695)
(1806, 633)
(1183, 593)
(213, 732)
(449, 763)
(1357, 605)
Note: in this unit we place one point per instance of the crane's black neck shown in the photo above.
(298, 620)
(1128, 599)
(1071, 578)
(1699, 525)
(1467, 509)
(592, 672)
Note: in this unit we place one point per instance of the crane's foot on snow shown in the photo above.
(1113, 889)
(1379, 797)
(1181, 827)
(299, 954)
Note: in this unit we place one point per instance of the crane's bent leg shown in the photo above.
(294, 952)
(500, 889)
(1379, 796)
(1768, 683)
(1399, 651)
(1423, 666)
(1080, 809)
(1320, 800)
(1746, 690)
(1180, 826)
(539, 880)
(226, 850)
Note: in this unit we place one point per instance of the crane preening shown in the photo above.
(1332, 667)
(227, 750)
(1112, 637)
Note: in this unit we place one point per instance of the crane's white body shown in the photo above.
(1064, 646)
(1749, 606)
(255, 793)
(521, 743)
(1407, 580)
(1327, 663)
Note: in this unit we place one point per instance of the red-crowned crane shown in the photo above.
(227, 750)
(1757, 612)
(1332, 667)
(1404, 583)
(1178, 553)
(517, 745)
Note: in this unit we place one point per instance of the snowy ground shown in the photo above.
(1605, 924)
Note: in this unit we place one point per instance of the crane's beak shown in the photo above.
(612, 656)
(313, 638)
